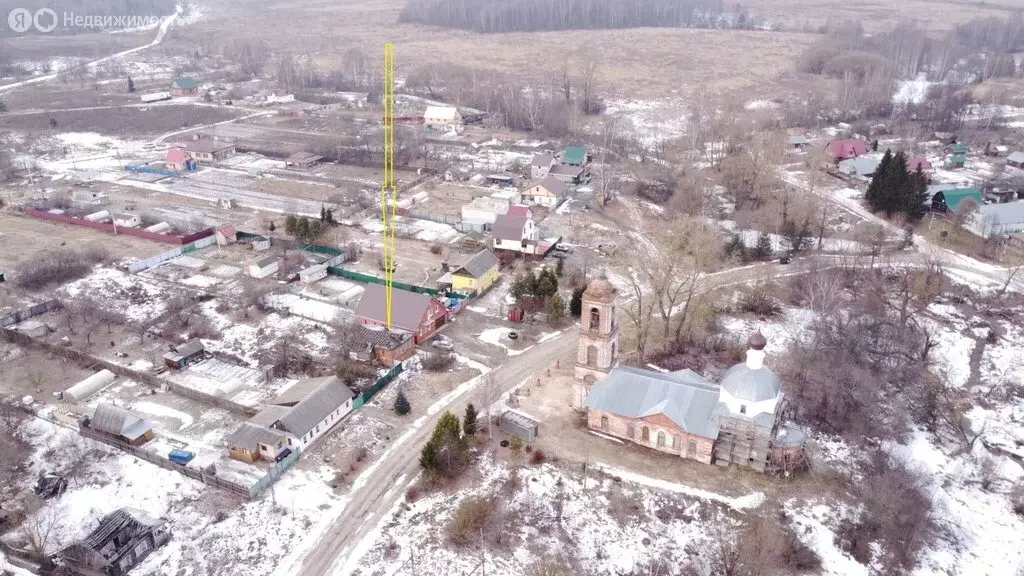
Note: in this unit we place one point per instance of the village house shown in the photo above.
(574, 156)
(844, 149)
(680, 413)
(386, 348)
(863, 166)
(125, 220)
(120, 424)
(263, 267)
(441, 117)
(182, 355)
(303, 160)
(996, 150)
(548, 192)
(226, 235)
(304, 412)
(945, 200)
(481, 212)
(515, 231)
(184, 87)
(477, 274)
(541, 164)
(956, 161)
(958, 148)
(209, 151)
(797, 141)
(122, 540)
(570, 174)
(919, 162)
(251, 442)
(176, 159)
(1015, 160)
(418, 314)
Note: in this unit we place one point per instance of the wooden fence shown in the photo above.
(381, 382)
(163, 462)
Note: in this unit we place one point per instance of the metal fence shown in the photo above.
(153, 261)
(381, 382)
(165, 238)
(274, 473)
(23, 314)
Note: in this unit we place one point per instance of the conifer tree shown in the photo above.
(576, 302)
(469, 421)
(735, 248)
(763, 249)
(428, 456)
(323, 213)
(917, 198)
(556, 308)
(290, 224)
(874, 193)
(560, 267)
(402, 406)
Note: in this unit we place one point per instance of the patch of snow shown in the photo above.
(750, 501)
(154, 409)
(912, 91)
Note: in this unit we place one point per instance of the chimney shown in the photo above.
(755, 350)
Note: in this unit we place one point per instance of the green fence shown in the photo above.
(316, 248)
(360, 277)
(383, 381)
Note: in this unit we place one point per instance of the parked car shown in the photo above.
(443, 343)
(284, 454)
(785, 260)
(560, 255)
(563, 249)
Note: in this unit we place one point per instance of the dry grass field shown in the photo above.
(635, 63)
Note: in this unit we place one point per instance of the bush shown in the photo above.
(761, 300)
(472, 514)
(351, 371)
(436, 248)
(412, 494)
(438, 362)
(60, 266)
(1017, 497)
(537, 457)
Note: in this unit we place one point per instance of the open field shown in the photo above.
(133, 120)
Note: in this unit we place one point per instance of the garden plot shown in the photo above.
(541, 512)
(207, 526)
(137, 298)
(345, 292)
(245, 341)
(221, 379)
(309, 308)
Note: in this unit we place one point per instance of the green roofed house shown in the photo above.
(956, 161)
(574, 156)
(959, 148)
(946, 200)
(184, 87)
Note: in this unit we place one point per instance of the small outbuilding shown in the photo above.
(441, 117)
(388, 348)
(251, 442)
(313, 273)
(121, 541)
(574, 156)
(182, 355)
(184, 87)
(263, 267)
(89, 387)
(303, 160)
(127, 220)
(120, 424)
(515, 423)
(1016, 160)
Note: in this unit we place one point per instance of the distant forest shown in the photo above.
(546, 15)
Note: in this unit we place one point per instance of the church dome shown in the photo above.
(751, 385)
(600, 289)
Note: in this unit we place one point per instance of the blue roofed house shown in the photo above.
(680, 413)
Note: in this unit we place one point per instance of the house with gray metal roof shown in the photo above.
(263, 267)
(303, 412)
(251, 441)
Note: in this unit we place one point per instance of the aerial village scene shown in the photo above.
(531, 288)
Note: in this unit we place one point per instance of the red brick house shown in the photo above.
(845, 149)
(417, 314)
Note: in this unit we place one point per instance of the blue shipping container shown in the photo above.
(180, 456)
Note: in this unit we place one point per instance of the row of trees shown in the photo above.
(539, 291)
(446, 453)
(307, 229)
(894, 190)
(541, 15)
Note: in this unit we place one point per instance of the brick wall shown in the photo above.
(618, 426)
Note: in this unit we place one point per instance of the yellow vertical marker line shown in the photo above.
(388, 178)
(391, 157)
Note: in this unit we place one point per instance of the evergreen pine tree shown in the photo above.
(302, 228)
(272, 227)
(576, 302)
(547, 284)
(763, 248)
(874, 145)
(917, 196)
(131, 85)
(402, 406)
(323, 213)
(560, 267)
(291, 224)
(735, 248)
(792, 235)
(330, 216)
(448, 426)
(469, 421)
(428, 456)
(878, 182)
(556, 308)
(532, 284)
